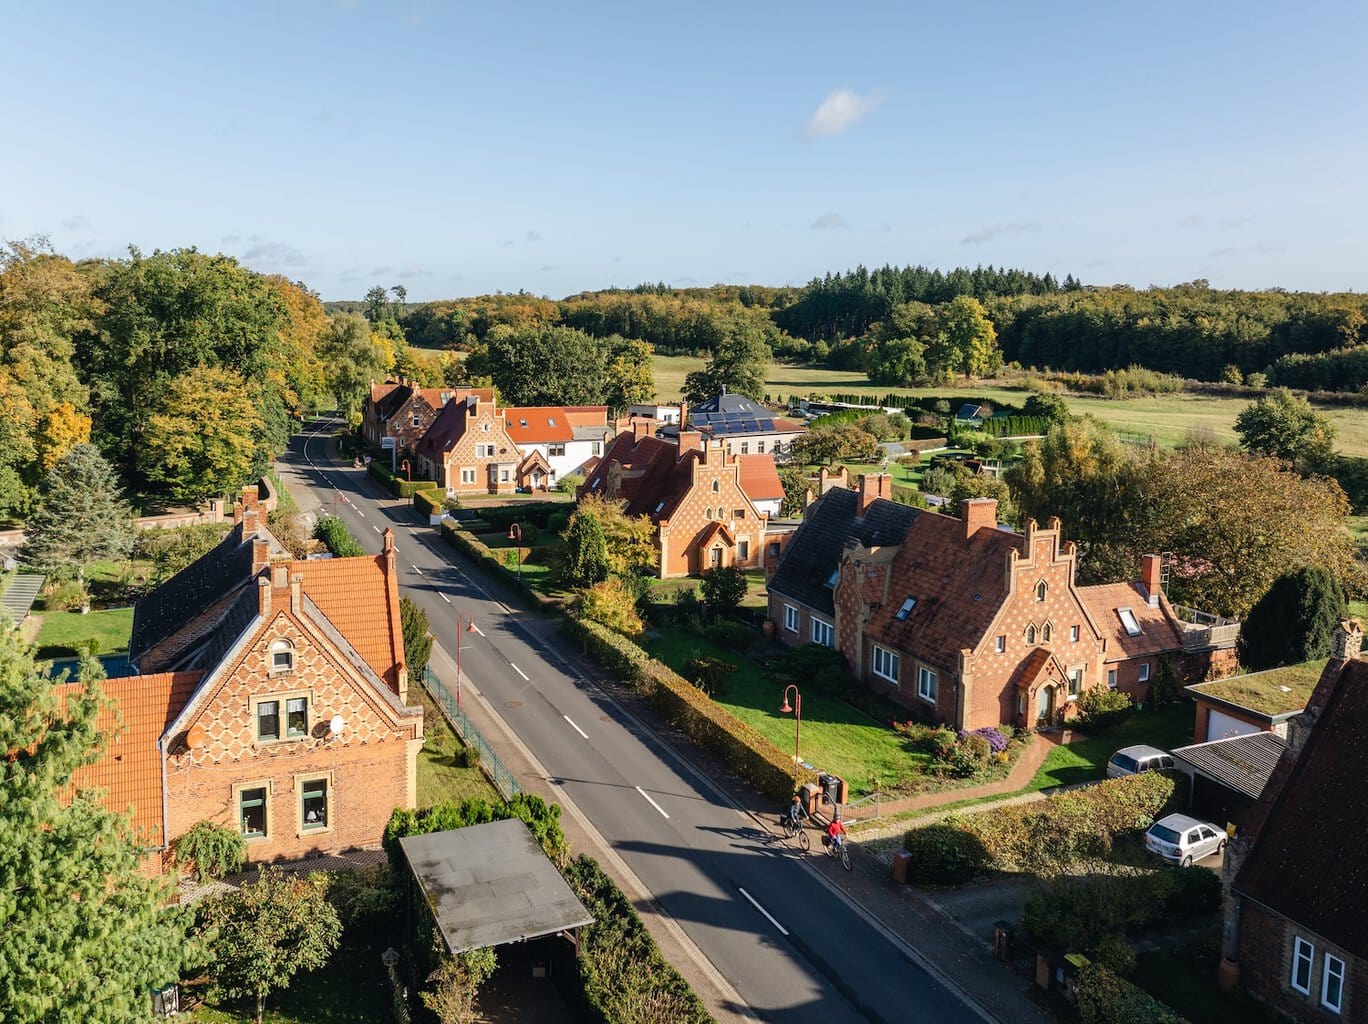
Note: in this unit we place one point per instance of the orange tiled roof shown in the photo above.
(959, 585)
(379, 391)
(1157, 631)
(129, 770)
(538, 424)
(362, 602)
(759, 478)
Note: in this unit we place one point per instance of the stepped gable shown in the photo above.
(959, 583)
(805, 568)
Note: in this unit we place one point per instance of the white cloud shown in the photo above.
(532, 236)
(828, 221)
(841, 110)
(992, 231)
(274, 254)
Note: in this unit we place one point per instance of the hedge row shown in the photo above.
(398, 486)
(758, 760)
(1047, 834)
(1014, 426)
(429, 503)
(337, 538)
(1104, 998)
(620, 967)
(1076, 914)
(537, 513)
(487, 561)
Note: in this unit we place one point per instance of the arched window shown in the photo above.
(1031, 634)
(717, 486)
(708, 512)
(1046, 631)
(282, 656)
(721, 512)
(1040, 591)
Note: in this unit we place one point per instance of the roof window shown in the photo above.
(834, 578)
(550, 421)
(1129, 621)
(906, 609)
(522, 423)
(660, 506)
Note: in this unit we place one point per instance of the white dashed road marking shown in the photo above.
(768, 916)
(515, 667)
(578, 729)
(666, 817)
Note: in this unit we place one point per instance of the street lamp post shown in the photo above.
(797, 709)
(408, 473)
(468, 621)
(515, 535)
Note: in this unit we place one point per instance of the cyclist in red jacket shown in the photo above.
(836, 831)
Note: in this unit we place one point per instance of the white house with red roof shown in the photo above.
(556, 440)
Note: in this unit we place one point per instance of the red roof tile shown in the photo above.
(129, 770)
(1158, 634)
(538, 424)
(362, 602)
(760, 478)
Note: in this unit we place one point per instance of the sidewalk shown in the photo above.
(933, 940)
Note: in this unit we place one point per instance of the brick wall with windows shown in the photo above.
(484, 459)
(268, 756)
(714, 497)
(1276, 967)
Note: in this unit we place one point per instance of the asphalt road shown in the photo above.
(795, 949)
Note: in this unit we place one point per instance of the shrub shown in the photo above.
(1080, 914)
(541, 818)
(736, 636)
(428, 503)
(558, 521)
(944, 855)
(997, 740)
(1116, 955)
(570, 483)
(171, 550)
(63, 595)
(536, 513)
(709, 673)
(610, 604)
(336, 537)
(1101, 709)
(212, 850)
(823, 667)
(1104, 998)
(364, 897)
(724, 588)
(686, 604)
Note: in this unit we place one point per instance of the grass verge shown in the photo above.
(442, 774)
(350, 989)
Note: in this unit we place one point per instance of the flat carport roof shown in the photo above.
(491, 884)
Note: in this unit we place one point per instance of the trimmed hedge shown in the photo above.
(1077, 914)
(397, 485)
(428, 503)
(337, 538)
(1104, 998)
(620, 967)
(534, 513)
(1051, 833)
(488, 562)
(758, 760)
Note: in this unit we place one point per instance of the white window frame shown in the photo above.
(1111, 679)
(1073, 634)
(821, 628)
(278, 648)
(467, 475)
(1000, 644)
(791, 618)
(1338, 1005)
(1302, 952)
(885, 664)
(928, 684)
(1144, 672)
(1075, 675)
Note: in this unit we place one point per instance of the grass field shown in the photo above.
(1166, 417)
(440, 776)
(1085, 759)
(62, 634)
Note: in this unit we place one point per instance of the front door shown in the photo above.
(1045, 705)
(715, 558)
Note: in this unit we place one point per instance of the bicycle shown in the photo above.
(797, 826)
(840, 851)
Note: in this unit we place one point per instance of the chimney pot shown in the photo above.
(689, 440)
(280, 577)
(296, 592)
(261, 554)
(264, 595)
(873, 486)
(250, 518)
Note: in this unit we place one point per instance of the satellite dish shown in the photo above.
(194, 739)
(335, 725)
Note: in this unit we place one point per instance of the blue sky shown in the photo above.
(461, 148)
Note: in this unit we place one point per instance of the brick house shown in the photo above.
(402, 410)
(1296, 919)
(271, 697)
(468, 449)
(556, 440)
(960, 620)
(692, 492)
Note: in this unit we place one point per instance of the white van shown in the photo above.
(1140, 758)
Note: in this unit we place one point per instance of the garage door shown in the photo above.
(1221, 726)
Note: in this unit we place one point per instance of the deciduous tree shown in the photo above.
(201, 440)
(1285, 426)
(86, 934)
(738, 364)
(724, 587)
(610, 603)
(352, 358)
(267, 931)
(417, 637)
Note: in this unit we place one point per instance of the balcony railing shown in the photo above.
(1203, 630)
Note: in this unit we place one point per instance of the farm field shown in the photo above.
(1165, 417)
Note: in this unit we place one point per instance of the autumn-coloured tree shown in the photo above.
(61, 429)
(610, 603)
(631, 549)
(1285, 426)
(201, 439)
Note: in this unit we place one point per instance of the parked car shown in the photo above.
(1182, 840)
(1140, 758)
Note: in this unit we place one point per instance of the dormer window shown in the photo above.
(522, 423)
(834, 578)
(1129, 621)
(906, 609)
(282, 657)
(1040, 591)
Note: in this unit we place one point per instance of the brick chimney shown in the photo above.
(978, 514)
(875, 485)
(250, 518)
(1150, 575)
(280, 576)
(689, 440)
(683, 414)
(1347, 640)
(250, 496)
(642, 426)
(264, 596)
(387, 541)
(261, 555)
(297, 592)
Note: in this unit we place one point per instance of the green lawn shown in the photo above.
(64, 633)
(441, 775)
(1085, 759)
(350, 989)
(538, 576)
(836, 736)
(1166, 418)
(1185, 979)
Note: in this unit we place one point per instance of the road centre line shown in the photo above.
(667, 818)
(444, 597)
(578, 729)
(768, 915)
(416, 569)
(480, 632)
(375, 528)
(516, 669)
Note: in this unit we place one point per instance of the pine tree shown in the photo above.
(85, 935)
(586, 551)
(1294, 621)
(82, 517)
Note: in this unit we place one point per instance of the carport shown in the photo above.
(1225, 777)
(491, 884)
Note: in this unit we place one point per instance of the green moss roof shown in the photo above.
(1278, 691)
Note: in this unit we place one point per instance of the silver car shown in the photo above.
(1182, 840)
(1140, 758)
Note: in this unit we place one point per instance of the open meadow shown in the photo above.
(1167, 418)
